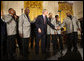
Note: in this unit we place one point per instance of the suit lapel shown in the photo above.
(26, 17)
(42, 18)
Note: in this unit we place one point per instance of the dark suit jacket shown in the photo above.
(3, 30)
(40, 24)
(33, 27)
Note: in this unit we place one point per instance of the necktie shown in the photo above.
(28, 18)
(44, 19)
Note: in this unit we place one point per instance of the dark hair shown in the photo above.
(56, 16)
(50, 13)
(10, 9)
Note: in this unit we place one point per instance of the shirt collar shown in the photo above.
(43, 15)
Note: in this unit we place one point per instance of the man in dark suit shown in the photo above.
(3, 37)
(41, 29)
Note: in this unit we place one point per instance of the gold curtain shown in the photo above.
(64, 7)
(35, 8)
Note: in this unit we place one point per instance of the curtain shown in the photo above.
(64, 7)
(35, 7)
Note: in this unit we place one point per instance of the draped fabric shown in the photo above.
(35, 7)
(64, 7)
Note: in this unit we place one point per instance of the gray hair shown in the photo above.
(43, 10)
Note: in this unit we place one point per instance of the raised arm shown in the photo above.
(50, 24)
(78, 23)
(7, 18)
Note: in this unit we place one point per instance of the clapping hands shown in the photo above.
(57, 28)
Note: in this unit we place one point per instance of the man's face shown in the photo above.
(12, 11)
(46, 12)
(68, 14)
(58, 18)
(27, 11)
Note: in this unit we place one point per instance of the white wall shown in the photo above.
(17, 5)
(51, 6)
(78, 9)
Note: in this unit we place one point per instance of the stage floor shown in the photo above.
(50, 55)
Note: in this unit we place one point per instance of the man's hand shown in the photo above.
(55, 32)
(39, 30)
(58, 27)
(2, 13)
(21, 35)
(15, 16)
(79, 29)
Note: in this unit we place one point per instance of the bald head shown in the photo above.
(27, 11)
(68, 13)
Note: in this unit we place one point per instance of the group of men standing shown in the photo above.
(19, 28)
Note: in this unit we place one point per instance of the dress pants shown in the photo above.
(25, 46)
(43, 48)
(11, 46)
(55, 43)
(18, 37)
(19, 41)
(48, 42)
(72, 39)
(59, 36)
(32, 39)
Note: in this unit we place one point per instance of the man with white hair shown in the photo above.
(41, 31)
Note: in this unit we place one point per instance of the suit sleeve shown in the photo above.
(38, 22)
(78, 23)
(50, 24)
(20, 24)
(7, 18)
